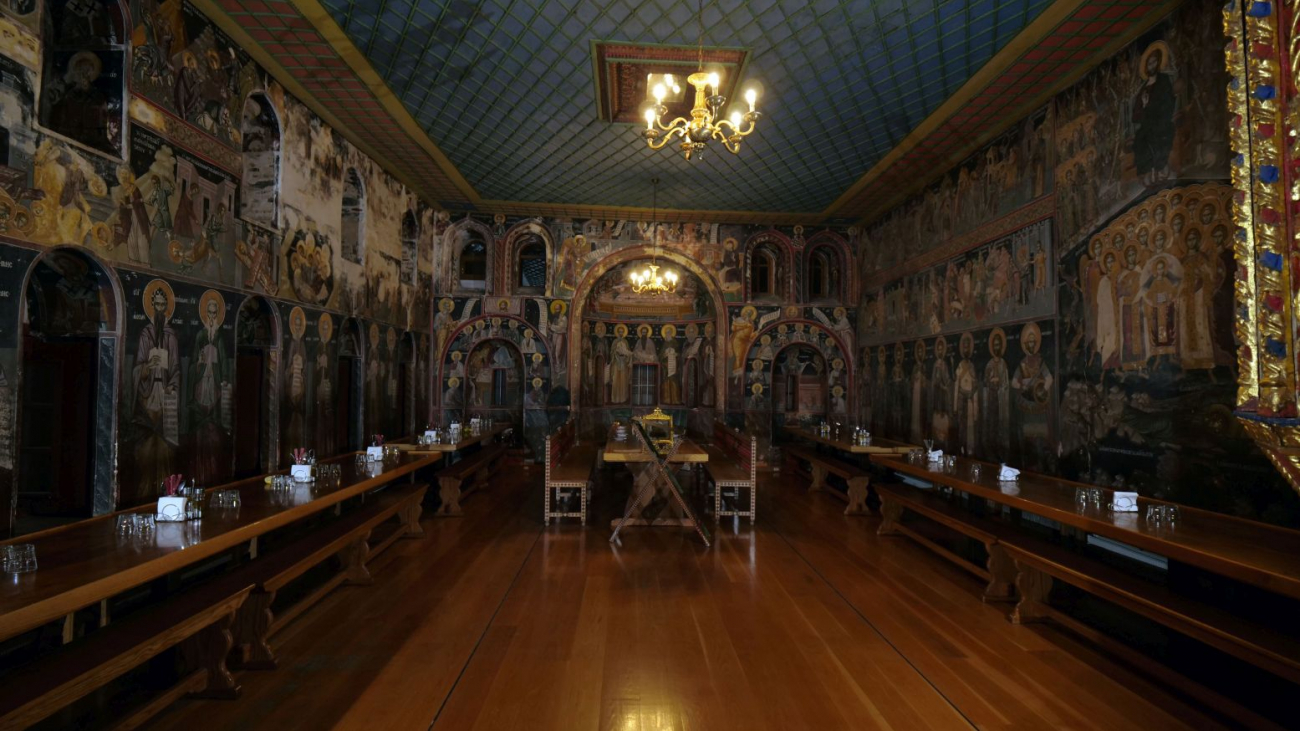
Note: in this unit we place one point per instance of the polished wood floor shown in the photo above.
(805, 621)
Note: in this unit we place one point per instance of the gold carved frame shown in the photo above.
(1263, 58)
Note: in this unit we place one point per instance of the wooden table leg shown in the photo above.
(818, 477)
(1034, 586)
(207, 650)
(410, 516)
(858, 496)
(354, 557)
(449, 491)
(252, 626)
(892, 513)
(1002, 573)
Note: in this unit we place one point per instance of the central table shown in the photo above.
(466, 441)
(878, 445)
(652, 485)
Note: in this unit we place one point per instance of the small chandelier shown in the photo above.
(648, 280)
(704, 124)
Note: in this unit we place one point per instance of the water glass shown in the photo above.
(19, 558)
(1081, 499)
(146, 526)
(929, 445)
(1095, 498)
(949, 463)
(975, 472)
(125, 525)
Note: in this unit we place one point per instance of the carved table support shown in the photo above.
(207, 650)
(1034, 586)
(858, 494)
(892, 513)
(1002, 575)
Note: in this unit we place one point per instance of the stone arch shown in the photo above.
(782, 248)
(833, 348)
(645, 251)
(514, 240)
(839, 253)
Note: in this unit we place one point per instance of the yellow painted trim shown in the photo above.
(1157, 14)
(217, 15)
(347, 50)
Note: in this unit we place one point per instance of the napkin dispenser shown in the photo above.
(934, 455)
(1124, 502)
(1008, 474)
(300, 472)
(170, 510)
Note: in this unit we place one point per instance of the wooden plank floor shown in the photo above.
(805, 621)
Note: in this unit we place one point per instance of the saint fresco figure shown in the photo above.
(157, 378)
(996, 400)
(1132, 344)
(1159, 295)
(916, 431)
(1154, 106)
(209, 403)
(966, 398)
(620, 367)
(940, 394)
(1200, 281)
(295, 381)
(1032, 389)
(672, 391)
(558, 325)
(325, 405)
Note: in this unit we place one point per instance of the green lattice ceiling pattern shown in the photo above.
(505, 89)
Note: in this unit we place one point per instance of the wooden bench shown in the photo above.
(197, 622)
(568, 467)
(998, 571)
(732, 466)
(349, 539)
(475, 469)
(1025, 566)
(858, 479)
(1038, 563)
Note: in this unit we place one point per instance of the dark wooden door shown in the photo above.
(250, 411)
(56, 444)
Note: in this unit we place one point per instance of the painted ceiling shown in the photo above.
(491, 105)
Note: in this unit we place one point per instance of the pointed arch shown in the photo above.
(830, 252)
(468, 236)
(774, 249)
(522, 238)
(261, 133)
(353, 217)
(81, 99)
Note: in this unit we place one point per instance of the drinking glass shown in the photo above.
(18, 558)
(146, 526)
(125, 525)
(975, 472)
(929, 445)
(1081, 500)
(1171, 515)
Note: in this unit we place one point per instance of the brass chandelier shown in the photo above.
(704, 124)
(648, 280)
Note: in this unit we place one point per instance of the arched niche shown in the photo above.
(256, 374)
(529, 249)
(67, 385)
(260, 132)
(769, 268)
(827, 275)
(468, 237)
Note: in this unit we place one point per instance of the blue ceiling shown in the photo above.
(505, 89)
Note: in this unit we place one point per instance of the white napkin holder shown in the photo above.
(170, 510)
(1008, 474)
(375, 454)
(300, 472)
(430, 435)
(934, 455)
(1124, 502)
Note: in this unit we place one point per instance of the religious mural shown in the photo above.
(1011, 278)
(1153, 113)
(186, 65)
(83, 97)
(1006, 174)
(1147, 357)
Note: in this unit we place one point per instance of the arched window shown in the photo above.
(84, 73)
(763, 273)
(261, 135)
(473, 263)
(822, 275)
(354, 217)
(531, 267)
(410, 241)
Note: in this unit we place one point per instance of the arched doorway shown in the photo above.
(800, 393)
(347, 404)
(495, 385)
(68, 378)
(257, 337)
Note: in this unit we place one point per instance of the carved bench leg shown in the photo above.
(1002, 572)
(354, 557)
(891, 513)
(449, 491)
(818, 477)
(207, 650)
(753, 502)
(858, 496)
(1033, 586)
(410, 517)
(546, 502)
(586, 492)
(252, 625)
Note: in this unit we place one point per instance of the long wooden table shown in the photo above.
(1256, 553)
(878, 445)
(465, 442)
(85, 562)
(650, 487)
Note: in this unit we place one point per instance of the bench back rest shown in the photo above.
(558, 444)
(737, 445)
